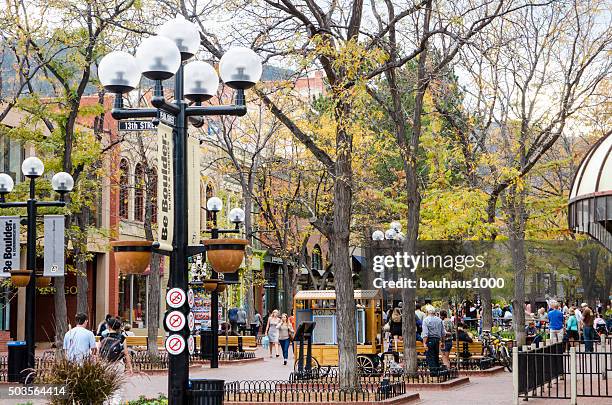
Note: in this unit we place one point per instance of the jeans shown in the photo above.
(556, 336)
(285, 346)
(432, 355)
(588, 337)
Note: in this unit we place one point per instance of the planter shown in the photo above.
(210, 285)
(20, 278)
(42, 281)
(131, 256)
(225, 255)
(221, 287)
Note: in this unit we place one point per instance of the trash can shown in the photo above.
(203, 391)
(206, 343)
(17, 360)
(254, 329)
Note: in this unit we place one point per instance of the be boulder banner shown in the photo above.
(55, 238)
(10, 258)
(193, 184)
(165, 188)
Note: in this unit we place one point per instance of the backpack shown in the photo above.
(111, 347)
(233, 315)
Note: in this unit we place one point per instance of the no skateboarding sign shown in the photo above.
(175, 344)
(191, 344)
(191, 321)
(190, 298)
(175, 297)
(175, 321)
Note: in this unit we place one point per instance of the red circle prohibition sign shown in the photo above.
(175, 297)
(175, 344)
(175, 320)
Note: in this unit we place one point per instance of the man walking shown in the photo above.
(555, 319)
(241, 318)
(433, 332)
(79, 342)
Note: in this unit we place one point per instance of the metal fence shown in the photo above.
(422, 376)
(310, 391)
(552, 372)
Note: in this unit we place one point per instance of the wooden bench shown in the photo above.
(249, 343)
(465, 349)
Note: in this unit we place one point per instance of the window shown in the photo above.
(124, 168)
(12, 154)
(153, 191)
(139, 193)
(317, 262)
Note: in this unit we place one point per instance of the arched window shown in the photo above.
(209, 193)
(153, 191)
(317, 261)
(139, 193)
(124, 198)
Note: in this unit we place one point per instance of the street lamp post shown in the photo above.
(62, 183)
(160, 58)
(394, 233)
(237, 215)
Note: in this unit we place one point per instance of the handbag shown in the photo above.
(265, 341)
(387, 327)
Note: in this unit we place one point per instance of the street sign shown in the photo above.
(175, 297)
(166, 118)
(175, 344)
(54, 245)
(191, 344)
(191, 321)
(136, 125)
(175, 321)
(190, 298)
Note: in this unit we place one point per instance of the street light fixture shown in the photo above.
(63, 183)
(162, 57)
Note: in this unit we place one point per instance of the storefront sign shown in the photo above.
(10, 258)
(175, 344)
(54, 246)
(165, 188)
(193, 193)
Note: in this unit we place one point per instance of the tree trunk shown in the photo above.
(247, 277)
(518, 313)
(80, 251)
(487, 311)
(288, 287)
(61, 313)
(153, 299)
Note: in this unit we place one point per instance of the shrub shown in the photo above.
(161, 400)
(91, 382)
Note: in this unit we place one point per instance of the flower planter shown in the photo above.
(42, 281)
(225, 255)
(20, 278)
(132, 257)
(210, 284)
(221, 287)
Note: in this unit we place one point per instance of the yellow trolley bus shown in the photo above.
(320, 306)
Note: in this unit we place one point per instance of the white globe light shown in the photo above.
(6, 183)
(240, 68)
(185, 35)
(158, 58)
(119, 72)
(378, 235)
(32, 167)
(237, 215)
(62, 182)
(390, 234)
(201, 81)
(214, 204)
(396, 226)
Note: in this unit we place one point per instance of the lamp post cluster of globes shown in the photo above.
(393, 233)
(158, 58)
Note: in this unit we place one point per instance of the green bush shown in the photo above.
(161, 400)
(91, 382)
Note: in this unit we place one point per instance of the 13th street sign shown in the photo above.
(136, 125)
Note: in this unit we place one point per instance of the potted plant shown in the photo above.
(210, 284)
(132, 256)
(20, 278)
(221, 286)
(225, 255)
(42, 281)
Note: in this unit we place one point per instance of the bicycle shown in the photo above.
(496, 347)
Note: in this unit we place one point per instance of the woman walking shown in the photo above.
(285, 335)
(571, 326)
(449, 328)
(272, 331)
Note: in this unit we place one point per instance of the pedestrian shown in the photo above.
(588, 334)
(127, 330)
(572, 327)
(232, 315)
(79, 342)
(113, 348)
(102, 325)
(241, 319)
(272, 331)
(257, 321)
(555, 319)
(433, 332)
(419, 314)
(447, 345)
(396, 323)
(285, 335)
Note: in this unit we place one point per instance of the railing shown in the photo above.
(551, 372)
(310, 391)
(422, 376)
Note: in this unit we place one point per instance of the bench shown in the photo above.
(465, 349)
(248, 343)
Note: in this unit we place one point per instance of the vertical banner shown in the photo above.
(55, 238)
(193, 184)
(165, 187)
(10, 258)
